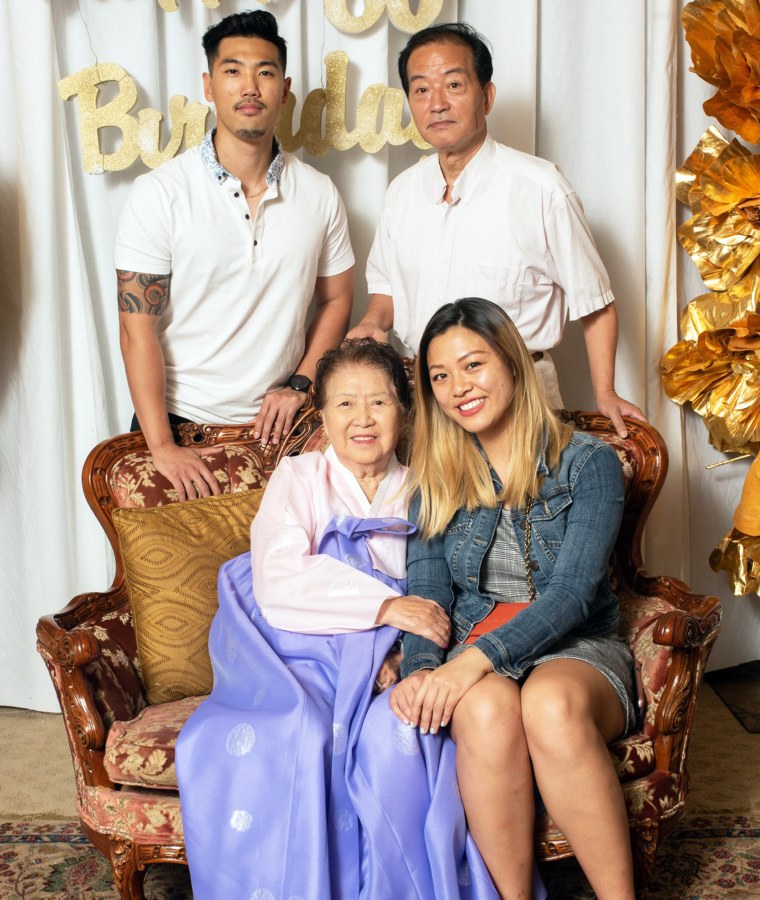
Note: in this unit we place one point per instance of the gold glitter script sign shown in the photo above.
(171, 5)
(399, 14)
(337, 12)
(141, 134)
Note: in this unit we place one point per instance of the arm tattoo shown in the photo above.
(142, 293)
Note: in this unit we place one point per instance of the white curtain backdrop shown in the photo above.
(593, 85)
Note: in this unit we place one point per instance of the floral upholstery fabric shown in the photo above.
(625, 457)
(114, 677)
(633, 757)
(140, 753)
(135, 482)
(639, 617)
(143, 817)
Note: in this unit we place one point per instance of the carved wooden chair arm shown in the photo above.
(66, 653)
(70, 649)
(695, 615)
(72, 644)
(678, 629)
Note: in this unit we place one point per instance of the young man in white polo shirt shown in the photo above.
(218, 255)
(479, 219)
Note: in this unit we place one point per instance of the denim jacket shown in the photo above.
(574, 524)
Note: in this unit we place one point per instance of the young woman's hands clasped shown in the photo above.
(428, 697)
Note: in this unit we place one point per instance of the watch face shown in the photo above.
(299, 383)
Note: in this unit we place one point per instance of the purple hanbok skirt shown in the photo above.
(296, 783)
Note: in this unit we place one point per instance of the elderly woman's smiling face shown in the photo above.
(362, 418)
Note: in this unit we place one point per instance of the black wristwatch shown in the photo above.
(300, 383)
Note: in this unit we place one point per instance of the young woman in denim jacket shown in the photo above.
(517, 516)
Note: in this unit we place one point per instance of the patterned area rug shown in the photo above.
(707, 858)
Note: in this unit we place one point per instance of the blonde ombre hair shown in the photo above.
(446, 467)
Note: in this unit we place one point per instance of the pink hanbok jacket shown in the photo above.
(299, 590)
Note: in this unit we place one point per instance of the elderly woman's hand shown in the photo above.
(389, 670)
(417, 616)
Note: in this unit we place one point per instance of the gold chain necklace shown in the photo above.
(528, 566)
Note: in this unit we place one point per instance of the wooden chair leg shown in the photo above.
(644, 847)
(128, 874)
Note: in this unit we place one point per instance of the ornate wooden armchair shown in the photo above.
(671, 631)
(122, 746)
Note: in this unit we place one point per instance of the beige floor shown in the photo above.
(36, 778)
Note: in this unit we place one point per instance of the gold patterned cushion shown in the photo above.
(172, 556)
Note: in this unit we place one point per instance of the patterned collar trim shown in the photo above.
(220, 174)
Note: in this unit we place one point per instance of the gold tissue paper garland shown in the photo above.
(716, 366)
(724, 36)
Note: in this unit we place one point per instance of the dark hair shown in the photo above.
(260, 24)
(449, 33)
(363, 352)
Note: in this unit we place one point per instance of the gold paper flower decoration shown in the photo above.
(717, 369)
(739, 552)
(724, 36)
(720, 181)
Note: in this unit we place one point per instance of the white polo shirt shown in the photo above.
(515, 233)
(240, 288)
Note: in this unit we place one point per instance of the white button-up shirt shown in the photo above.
(515, 233)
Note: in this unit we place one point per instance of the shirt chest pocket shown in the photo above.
(500, 284)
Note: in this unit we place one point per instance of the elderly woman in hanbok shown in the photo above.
(296, 779)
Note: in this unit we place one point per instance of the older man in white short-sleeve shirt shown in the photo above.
(219, 253)
(479, 219)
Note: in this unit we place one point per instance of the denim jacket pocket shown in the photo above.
(548, 519)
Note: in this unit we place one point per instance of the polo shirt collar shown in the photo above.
(220, 174)
(465, 185)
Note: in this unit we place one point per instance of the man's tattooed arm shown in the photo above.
(143, 293)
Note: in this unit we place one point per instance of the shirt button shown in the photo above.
(255, 243)
(534, 565)
(237, 193)
(247, 216)
(522, 524)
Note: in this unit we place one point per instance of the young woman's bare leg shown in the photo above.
(570, 711)
(496, 782)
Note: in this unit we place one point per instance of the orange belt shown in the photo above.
(499, 615)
